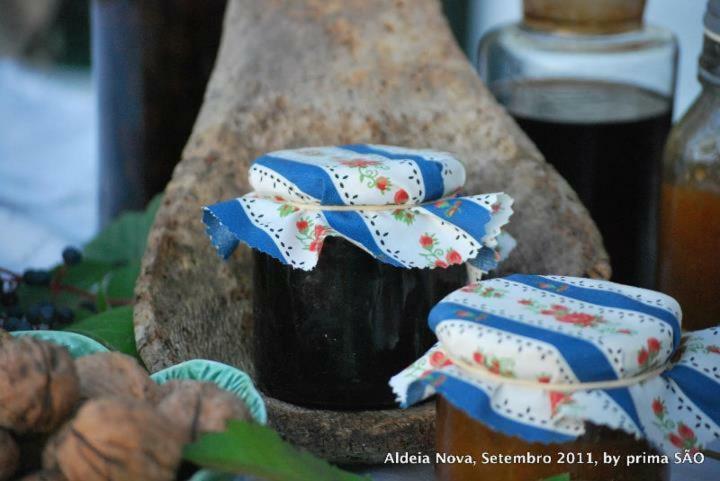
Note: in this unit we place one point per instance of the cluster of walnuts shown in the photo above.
(98, 417)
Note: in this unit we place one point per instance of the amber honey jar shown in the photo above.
(513, 459)
(689, 267)
(352, 247)
(543, 376)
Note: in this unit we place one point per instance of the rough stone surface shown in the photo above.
(294, 73)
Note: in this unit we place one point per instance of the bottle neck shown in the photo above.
(709, 64)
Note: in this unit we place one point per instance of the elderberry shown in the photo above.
(9, 299)
(36, 277)
(71, 256)
(64, 315)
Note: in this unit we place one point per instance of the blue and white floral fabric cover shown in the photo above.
(566, 330)
(402, 207)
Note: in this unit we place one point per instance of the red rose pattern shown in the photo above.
(646, 355)
(360, 163)
(311, 235)
(685, 432)
(658, 407)
(439, 359)
(453, 257)
(401, 196)
(426, 241)
(678, 434)
(578, 318)
(563, 314)
(437, 256)
(302, 225)
(382, 183)
(675, 440)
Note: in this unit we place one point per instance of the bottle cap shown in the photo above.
(584, 16)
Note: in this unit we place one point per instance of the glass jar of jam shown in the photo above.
(333, 336)
(500, 456)
(352, 247)
(540, 376)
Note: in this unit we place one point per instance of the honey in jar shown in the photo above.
(457, 433)
(689, 241)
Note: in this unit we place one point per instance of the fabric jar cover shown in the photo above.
(431, 226)
(500, 340)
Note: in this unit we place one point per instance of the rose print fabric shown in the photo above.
(568, 330)
(440, 229)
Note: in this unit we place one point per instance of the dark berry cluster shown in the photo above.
(42, 315)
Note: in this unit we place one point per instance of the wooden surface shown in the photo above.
(294, 73)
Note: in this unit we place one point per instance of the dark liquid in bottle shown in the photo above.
(334, 336)
(152, 60)
(606, 139)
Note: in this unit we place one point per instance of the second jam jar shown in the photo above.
(544, 376)
(352, 247)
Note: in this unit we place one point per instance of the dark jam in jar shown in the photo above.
(461, 435)
(332, 337)
(606, 139)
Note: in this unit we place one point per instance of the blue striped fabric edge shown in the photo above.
(225, 219)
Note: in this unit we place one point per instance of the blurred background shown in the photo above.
(50, 177)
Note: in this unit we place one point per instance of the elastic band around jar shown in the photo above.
(377, 208)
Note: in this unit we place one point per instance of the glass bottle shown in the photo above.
(689, 264)
(151, 61)
(593, 87)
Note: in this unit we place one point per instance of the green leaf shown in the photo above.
(86, 274)
(124, 240)
(207, 475)
(121, 282)
(113, 328)
(252, 449)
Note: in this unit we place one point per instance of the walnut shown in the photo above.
(9, 456)
(200, 407)
(39, 386)
(44, 476)
(114, 374)
(119, 439)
